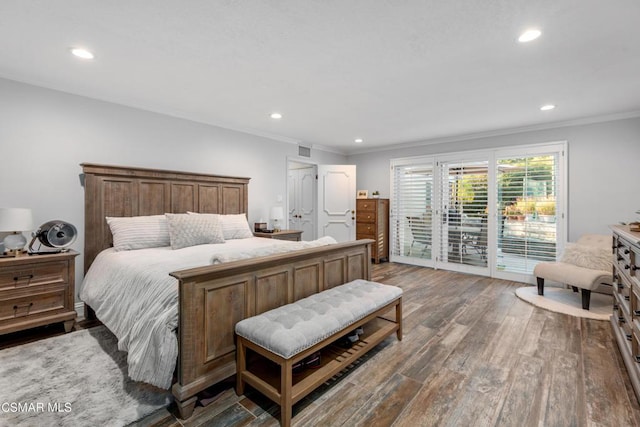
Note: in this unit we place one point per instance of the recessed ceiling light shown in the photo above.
(359, 140)
(529, 35)
(547, 107)
(82, 53)
(276, 116)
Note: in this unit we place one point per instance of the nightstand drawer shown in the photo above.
(45, 301)
(34, 275)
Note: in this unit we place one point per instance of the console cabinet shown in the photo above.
(626, 300)
(372, 222)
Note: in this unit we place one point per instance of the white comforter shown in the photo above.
(134, 296)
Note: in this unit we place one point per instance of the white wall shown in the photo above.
(45, 135)
(603, 168)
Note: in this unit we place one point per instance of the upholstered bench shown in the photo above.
(288, 334)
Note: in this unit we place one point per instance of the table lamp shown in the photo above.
(15, 220)
(277, 215)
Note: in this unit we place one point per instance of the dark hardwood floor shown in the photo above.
(473, 354)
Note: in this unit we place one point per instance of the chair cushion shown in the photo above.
(292, 328)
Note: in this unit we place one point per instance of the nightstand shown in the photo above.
(37, 290)
(295, 235)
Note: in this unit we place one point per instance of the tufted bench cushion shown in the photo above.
(292, 328)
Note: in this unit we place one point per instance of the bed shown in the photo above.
(211, 298)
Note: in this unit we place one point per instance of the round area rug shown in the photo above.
(568, 302)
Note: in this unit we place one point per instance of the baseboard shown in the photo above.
(79, 307)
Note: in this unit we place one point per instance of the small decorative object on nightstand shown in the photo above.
(295, 235)
(277, 215)
(37, 290)
(15, 220)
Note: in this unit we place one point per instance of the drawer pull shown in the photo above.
(15, 307)
(636, 312)
(626, 251)
(26, 276)
(626, 297)
(621, 319)
(620, 286)
(634, 267)
(626, 266)
(620, 258)
(615, 306)
(628, 337)
(637, 359)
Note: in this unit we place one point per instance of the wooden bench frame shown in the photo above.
(286, 390)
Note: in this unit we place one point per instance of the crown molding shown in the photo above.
(501, 132)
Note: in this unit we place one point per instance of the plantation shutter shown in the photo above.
(463, 229)
(412, 210)
(527, 230)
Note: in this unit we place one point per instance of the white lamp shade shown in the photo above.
(277, 212)
(16, 219)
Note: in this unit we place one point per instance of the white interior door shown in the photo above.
(337, 202)
(302, 197)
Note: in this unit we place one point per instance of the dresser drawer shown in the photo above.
(46, 300)
(366, 216)
(33, 275)
(366, 205)
(366, 231)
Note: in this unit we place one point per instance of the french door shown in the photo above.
(463, 213)
(458, 211)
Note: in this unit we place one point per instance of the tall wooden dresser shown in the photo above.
(626, 299)
(372, 222)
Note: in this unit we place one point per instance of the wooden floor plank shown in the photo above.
(523, 395)
(385, 405)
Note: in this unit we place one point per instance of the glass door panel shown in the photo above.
(527, 188)
(464, 212)
(412, 213)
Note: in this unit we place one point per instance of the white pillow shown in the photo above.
(191, 230)
(593, 257)
(139, 232)
(235, 227)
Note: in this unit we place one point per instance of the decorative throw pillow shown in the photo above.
(139, 232)
(595, 258)
(190, 230)
(235, 227)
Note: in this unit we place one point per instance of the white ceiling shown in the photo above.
(387, 71)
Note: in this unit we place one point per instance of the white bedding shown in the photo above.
(134, 296)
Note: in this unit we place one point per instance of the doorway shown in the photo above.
(321, 200)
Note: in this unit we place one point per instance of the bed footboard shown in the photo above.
(214, 298)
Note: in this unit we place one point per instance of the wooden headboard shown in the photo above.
(127, 191)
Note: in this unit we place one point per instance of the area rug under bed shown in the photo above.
(76, 379)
